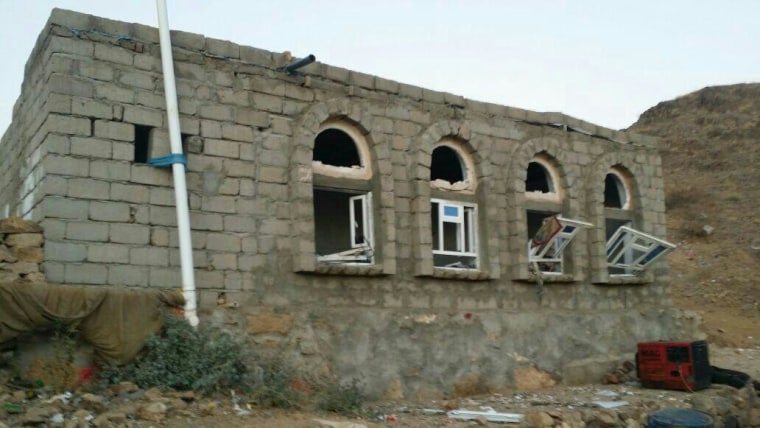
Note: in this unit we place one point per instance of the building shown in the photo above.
(352, 224)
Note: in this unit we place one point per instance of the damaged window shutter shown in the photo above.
(633, 250)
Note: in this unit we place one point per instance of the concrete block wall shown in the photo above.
(95, 90)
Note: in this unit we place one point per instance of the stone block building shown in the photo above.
(408, 238)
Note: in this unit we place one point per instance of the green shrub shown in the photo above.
(277, 384)
(346, 399)
(185, 358)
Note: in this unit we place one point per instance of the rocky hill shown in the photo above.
(710, 145)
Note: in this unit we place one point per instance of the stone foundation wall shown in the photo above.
(21, 250)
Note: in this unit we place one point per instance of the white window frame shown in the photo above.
(366, 217)
(541, 254)
(466, 221)
(626, 241)
(359, 253)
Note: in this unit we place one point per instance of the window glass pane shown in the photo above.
(359, 227)
(468, 231)
(451, 239)
(450, 211)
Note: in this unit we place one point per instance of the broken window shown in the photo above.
(343, 226)
(336, 148)
(453, 214)
(454, 234)
(630, 251)
(545, 249)
(615, 194)
(538, 179)
(446, 165)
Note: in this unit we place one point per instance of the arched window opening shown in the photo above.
(446, 165)
(629, 250)
(343, 220)
(454, 212)
(336, 148)
(615, 195)
(539, 179)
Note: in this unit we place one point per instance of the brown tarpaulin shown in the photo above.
(115, 321)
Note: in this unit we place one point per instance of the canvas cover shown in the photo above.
(114, 321)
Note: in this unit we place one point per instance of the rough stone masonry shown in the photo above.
(350, 224)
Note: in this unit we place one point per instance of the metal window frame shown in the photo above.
(569, 229)
(626, 241)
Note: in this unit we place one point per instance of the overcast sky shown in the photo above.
(602, 61)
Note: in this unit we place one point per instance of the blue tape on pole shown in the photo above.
(168, 160)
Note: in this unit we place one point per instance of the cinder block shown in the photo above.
(163, 216)
(87, 188)
(222, 242)
(143, 116)
(125, 233)
(138, 79)
(222, 48)
(269, 174)
(85, 273)
(237, 132)
(65, 165)
(235, 223)
(114, 93)
(299, 93)
(114, 130)
(149, 256)
(91, 108)
(68, 18)
(124, 274)
(183, 39)
(209, 279)
(129, 193)
(107, 253)
(58, 103)
(69, 85)
(270, 103)
(220, 204)
(110, 170)
(161, 196)
(87, 231)
(115, 54)
(110, 211)
(61, 207)
(64, 252)
(148, 174)
(255, 56)
(91, 147)
(206, 221)
(95, 70)
(67, 125)
(165, 277)
(225, 261)
(229, 149)
(265, 85)
(217, 112)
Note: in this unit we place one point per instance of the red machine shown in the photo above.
(674, 365)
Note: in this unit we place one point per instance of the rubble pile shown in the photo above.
(623, 405)
(20, 250)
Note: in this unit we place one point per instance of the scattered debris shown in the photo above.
(489, 414)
